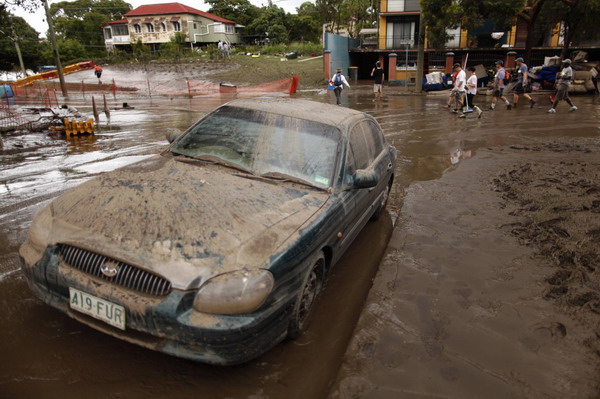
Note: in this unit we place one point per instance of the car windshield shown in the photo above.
(265, 144)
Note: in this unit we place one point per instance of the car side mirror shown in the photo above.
(365, 178)
(172, 135)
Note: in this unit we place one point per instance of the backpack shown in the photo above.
(337, 80)
(506, 77)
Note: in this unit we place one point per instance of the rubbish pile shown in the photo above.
(35, 119)
(584, 76)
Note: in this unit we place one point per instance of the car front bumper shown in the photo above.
(166, 324)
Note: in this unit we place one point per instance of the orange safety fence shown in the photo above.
(198, 88)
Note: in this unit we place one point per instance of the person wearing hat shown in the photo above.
(459, 88)
(562, 87)
(378, 75)
(499, 85)
(338, 81)
(522, 80)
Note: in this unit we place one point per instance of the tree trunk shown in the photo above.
(535, 12)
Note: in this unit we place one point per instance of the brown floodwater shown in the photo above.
(47, 354)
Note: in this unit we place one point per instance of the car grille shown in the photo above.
(128, 276)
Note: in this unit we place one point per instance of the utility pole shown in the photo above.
(16, 40)
(61, 78)
(420, 54)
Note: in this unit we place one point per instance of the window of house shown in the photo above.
(137, 28)
(107, 34)
(150, 28)
(400, 31)
(224, 28)
(163, 27)
(194, 26)
(176, 26)
(120, 30)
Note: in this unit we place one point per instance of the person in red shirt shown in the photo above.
(98, 73)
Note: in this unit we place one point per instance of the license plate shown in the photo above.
(98, 308)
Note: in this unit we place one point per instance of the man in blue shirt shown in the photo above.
(522, 80)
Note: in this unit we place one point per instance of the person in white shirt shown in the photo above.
(338, 81)
(459, 87)
(471, 86)
(562, 87)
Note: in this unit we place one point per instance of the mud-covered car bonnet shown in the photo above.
(183, 220)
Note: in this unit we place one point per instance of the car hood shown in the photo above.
(185, 222)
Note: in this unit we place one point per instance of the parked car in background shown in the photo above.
(216, 249)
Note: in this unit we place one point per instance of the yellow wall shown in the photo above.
(555, 36)
(382, 30)
(463, 38)
(513, 36)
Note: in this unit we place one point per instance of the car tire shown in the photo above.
(382, 205)
(307, 298)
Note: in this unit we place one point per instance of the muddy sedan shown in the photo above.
(216, 249)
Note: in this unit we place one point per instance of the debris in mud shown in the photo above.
(35, 119)
(557, 202)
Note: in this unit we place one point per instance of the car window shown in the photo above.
(358, 148)
(375, 137)
(265, 143)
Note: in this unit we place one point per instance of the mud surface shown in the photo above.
(490, 284)
(488, 287)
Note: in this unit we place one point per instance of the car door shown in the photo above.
(379, 158)
(357, 157)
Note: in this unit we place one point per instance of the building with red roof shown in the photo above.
(156, 24)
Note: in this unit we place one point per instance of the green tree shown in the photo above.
(81, 20)
(578, 18)
(272, 23)
(240, 11)
(357, 15)
(330, 11)
(16, 29)
(303, 28)
(70, 50)
(440, 15)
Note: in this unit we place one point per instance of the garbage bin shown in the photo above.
(353, 73)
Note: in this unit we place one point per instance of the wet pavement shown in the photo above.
(46, 354)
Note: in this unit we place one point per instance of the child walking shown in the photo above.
(471, 92)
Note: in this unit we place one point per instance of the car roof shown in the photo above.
(303, 109)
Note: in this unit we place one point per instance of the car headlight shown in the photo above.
(39, 232)
(238, 292)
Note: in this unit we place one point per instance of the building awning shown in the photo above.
(135, 21)
(175, 19)
(148, 20)
(368, 31)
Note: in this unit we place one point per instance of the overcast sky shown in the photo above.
(38, 19)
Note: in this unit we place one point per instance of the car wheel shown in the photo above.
(307, 298)
(383, 203)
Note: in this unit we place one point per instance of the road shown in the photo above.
(46, 354)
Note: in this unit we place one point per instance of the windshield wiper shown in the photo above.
(213, 160)
(288, 178)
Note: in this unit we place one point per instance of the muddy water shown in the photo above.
(47, 354)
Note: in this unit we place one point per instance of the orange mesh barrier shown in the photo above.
(199, 88)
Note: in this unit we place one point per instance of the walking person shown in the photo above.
(98, 73)
(522, 81)
(459, 89)
(338, 81)
(562, 87)
(378, 76)
(471, 92)
(499, 85)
